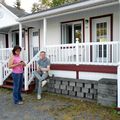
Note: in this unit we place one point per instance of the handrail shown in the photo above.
(29, 69)
(4, 71)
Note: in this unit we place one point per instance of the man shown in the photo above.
(42, 72)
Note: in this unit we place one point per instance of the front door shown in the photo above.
(15, 39)
(101, 32)
(35, 47)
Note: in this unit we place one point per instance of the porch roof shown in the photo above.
(15, 11)
(82, 5)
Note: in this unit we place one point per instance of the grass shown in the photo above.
(66, 108)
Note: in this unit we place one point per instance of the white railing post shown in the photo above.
(118, 86)
(1, 74)
(77, 51)
(26, 78)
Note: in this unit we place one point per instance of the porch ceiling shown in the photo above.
(79, 6)
(4, 30)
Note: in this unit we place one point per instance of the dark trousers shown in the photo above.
(17, 86)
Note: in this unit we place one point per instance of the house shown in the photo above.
(81, 40)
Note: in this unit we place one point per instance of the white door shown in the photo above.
(34, 42)
(101, 32)
(2, 41)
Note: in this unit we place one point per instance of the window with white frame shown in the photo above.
(72, 31)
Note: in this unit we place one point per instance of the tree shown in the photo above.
(35, 7)
(45, 4)
(18, 4)
(41, 5)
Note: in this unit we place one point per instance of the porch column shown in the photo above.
(26, 45)
(10, 39)
(44, 31)
(20, 34)
(118, 69)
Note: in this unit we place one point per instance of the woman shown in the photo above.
(17, 65)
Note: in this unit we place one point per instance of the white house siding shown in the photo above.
(64, 74)
(54, 28)
(7, 19)
(96, 76)
(82, 75)
(2, 41)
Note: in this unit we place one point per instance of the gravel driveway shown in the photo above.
(50, 107)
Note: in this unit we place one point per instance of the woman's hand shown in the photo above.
(22, 63)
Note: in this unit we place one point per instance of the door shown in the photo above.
(15, 39)
(101, 33)
(35, 47)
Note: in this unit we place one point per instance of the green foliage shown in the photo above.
(45, 4)
(35, 7)
(18, 4)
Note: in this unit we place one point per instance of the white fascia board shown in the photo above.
(17, 23)
(65, 8)
(9, 11)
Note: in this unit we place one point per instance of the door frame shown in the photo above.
(31, 30)
(91, 33)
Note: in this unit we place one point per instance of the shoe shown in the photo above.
(20, 103)
(44, 83)
(38, 97)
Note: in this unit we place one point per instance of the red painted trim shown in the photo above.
(85, 68)
(77, 74)
(72, 21)
(118, 109)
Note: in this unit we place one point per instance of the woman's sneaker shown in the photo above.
(38, 97)
(20, 103)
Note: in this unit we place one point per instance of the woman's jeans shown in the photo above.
(17, 86)
(40, 77)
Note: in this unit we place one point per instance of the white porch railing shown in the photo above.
(29, 69)
(5, 53)
(4, 71)
(104, 53)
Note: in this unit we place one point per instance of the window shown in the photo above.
(71, 31)
(102, 37)
(101, 32)
(35, 33)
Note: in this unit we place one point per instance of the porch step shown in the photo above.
(10, 87)
(9, 81)
(8, 84)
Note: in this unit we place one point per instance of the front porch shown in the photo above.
(73, 37)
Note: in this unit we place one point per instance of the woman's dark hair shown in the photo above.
(16, 48)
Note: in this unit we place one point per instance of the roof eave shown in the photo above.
(84, 5)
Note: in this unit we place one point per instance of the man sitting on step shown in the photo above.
(42, 73)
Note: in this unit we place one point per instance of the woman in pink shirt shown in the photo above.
(17, 65)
